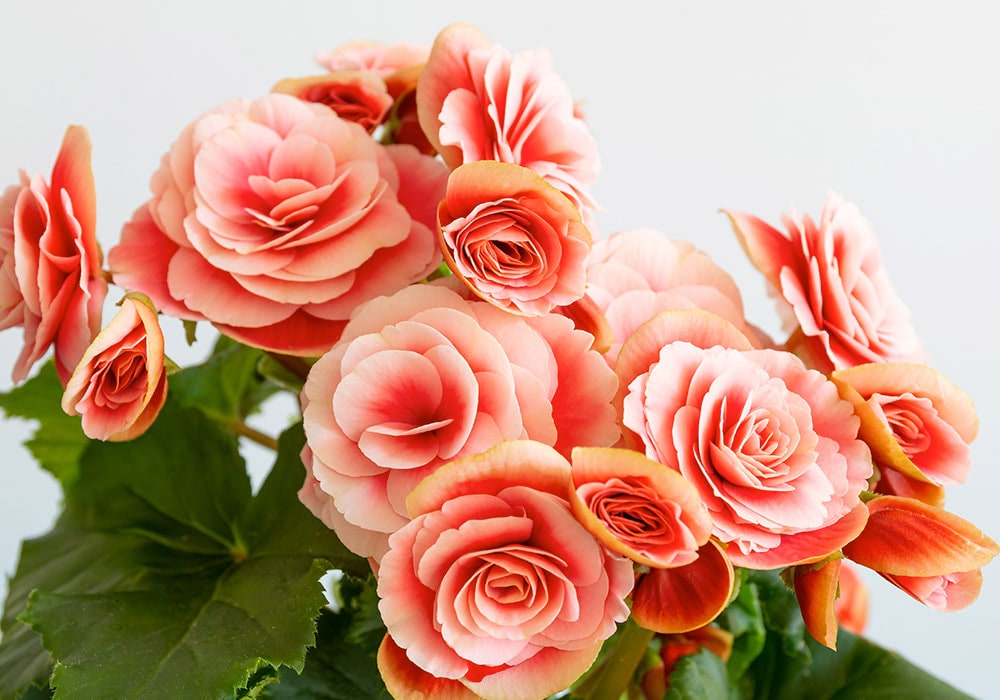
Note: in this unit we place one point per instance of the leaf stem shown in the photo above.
(296, 365)
(618, 667)
(244, 430)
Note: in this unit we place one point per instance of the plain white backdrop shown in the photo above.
(695, 106)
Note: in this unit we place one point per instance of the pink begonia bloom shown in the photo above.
(830, 273)
(633, 275)
(274, 218)
(513, 238)
(916, 422)
(51, 282)
(425, 376)
(638, 507)
(770, 445)
(477, 102)
(381, 59)
(494, 583)
(120, 384)
(356, 96)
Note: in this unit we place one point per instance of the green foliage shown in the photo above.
(164, 577)
(342, 665)
(58, 447)
(700, 676)
(774, 658)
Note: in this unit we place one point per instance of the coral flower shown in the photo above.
(120, 384)
(516, 240)
(50, 263)
(769, 444)
(275, 218)
(426, 376)
(494, 583)
(477, 102)
(829, 272)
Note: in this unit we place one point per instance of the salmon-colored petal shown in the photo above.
(446, 70)
(406, 681)
(816, 590)
(905, 537)
(686, 597)
(508, 464)
(946, 593)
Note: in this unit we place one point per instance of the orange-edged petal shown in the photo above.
(406, 681)
(767, 247)
(953, 405)
(638, 507)
(446, 70)
(684, 598)
(547, 672)
(587, 316)
(905, 537)
(893, 483)
(816, 590)
(512, 463)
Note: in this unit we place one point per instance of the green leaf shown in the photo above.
(700, 676)
(59, 440)
(791, 665)
(336, 669)
(226, 387)
(165, 578)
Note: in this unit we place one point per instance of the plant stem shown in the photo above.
(244, 430)
(619, 666)
(296, 365)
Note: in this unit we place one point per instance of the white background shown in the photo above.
(695, 106)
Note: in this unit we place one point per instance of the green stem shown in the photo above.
(296, 365)
(618, 667)
(244, 430)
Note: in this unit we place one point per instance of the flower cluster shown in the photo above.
(531, 432)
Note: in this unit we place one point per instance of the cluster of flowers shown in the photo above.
(531, 435)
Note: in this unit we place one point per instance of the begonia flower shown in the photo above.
(356, 96)
(829, 275)
(426, 376)
(769, 444)
(120, 384)
(917, 423)
(633, 275)
(51, 282)
(516, 241)
(477, 102)
(638, 507)
(494, 583)
(275, 218)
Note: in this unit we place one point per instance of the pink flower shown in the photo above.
(494, 583)
(769, 444)
(120, 384)
(830, 273)
(358, 97)
(513, 238)
(50, 263)
(916, 422)
(426, 376)
(275, 218)
(477, 102)
(381, 59)
(638, 507)
(632, 276)
(851, 606)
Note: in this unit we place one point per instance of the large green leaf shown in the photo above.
(164, 577)
(59, 441)
(700, 676)
(342, 665)
(227, 386)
